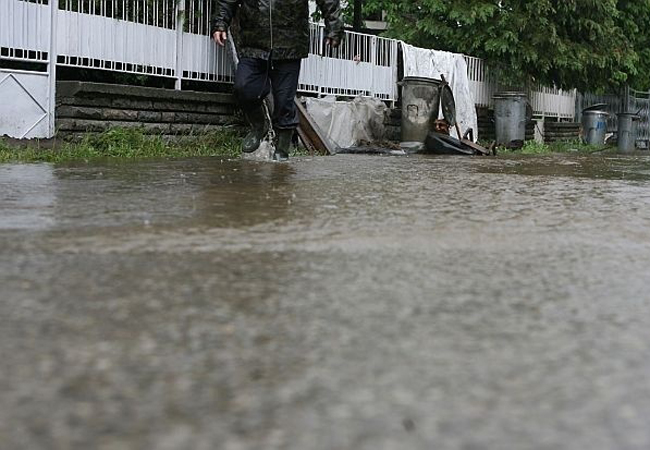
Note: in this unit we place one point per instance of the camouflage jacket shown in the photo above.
(279, 28)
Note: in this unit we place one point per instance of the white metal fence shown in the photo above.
(553, 102)
(545, 102)
(24, 30)
(166, 38)
(27, 96)
(362, 65)
(138, 36)
(481, 84)
(170, 38)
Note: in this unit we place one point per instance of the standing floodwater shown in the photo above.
(346, 302)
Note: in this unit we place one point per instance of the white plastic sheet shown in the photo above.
(347, 123)
(421, 62)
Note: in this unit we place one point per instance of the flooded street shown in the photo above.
(347, 302)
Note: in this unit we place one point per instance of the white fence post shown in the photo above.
(179, 10)
(395, 70)
(53, 56)
(373, 64)
(321, 51)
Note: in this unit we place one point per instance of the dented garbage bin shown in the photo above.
(420, 101)
(510, 118)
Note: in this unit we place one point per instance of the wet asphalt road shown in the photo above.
(350, 302)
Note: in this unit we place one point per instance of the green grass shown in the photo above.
(4, 148)
(535, 148)
(132, 143)
(128, 143)
(573, 147)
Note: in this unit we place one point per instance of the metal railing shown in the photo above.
(481, 83)
(639, 102)
(545, 101)
(553, 102)
(166, 38)
(170, 38)
(25, 30)
(362, 65)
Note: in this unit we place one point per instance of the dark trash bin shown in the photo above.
(628, 124)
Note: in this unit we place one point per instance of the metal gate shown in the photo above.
(639, 102)
(27, 73)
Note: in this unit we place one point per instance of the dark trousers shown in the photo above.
(255, 78)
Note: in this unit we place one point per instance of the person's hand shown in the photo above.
(333, 42)
(220, 37)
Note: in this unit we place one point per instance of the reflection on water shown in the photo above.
(595, 167)
(350, 302)
(27, 196)
(214, 192)
(345, 192)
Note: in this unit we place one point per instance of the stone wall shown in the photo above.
(83, 107)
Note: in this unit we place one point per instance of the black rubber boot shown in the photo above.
(283, 145)
(259, 127)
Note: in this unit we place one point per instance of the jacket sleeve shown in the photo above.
(226, 10)
(331, 10)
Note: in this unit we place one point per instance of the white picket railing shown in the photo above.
(362, 65)
(482, 86)
(553, 102)
(545, 102)
(25, 30)
(164, 38)
(138, 36)
(170, 38)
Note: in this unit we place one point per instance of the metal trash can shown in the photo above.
(510, 118)
(628, 124)
(420, 105)
(594, 126)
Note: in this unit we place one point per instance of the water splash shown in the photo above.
(263, 153)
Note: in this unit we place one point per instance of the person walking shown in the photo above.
(273, 38)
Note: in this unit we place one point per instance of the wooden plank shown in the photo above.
(311, 134)
(306, 141)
